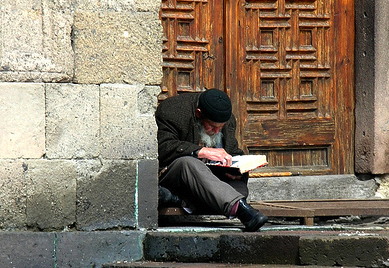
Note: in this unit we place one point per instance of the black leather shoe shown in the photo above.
(167, 199)
(251, 218)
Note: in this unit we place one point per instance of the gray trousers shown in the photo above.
(190, 179)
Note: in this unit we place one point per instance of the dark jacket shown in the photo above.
(178, 134)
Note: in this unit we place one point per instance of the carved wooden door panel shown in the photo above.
(193, 46)
(294, 82)
(287, 66)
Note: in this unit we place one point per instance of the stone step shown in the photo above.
(202, 265)
(327, 247)
(311, 187)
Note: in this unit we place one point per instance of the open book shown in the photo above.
(240, 164)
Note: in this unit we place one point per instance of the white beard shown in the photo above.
(210, 141)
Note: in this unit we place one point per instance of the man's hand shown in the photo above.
(216, 154)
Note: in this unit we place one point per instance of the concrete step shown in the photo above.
(311, 187)
(302, 246)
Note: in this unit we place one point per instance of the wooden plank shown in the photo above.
(307, 210)
(289, 132)
(341, 207)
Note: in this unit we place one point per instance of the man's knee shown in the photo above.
(188, 162)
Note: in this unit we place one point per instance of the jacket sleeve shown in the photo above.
(172, 142)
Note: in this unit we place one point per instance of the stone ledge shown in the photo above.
(311, 187)
(300, 247)
(69, 249)
(316, 247)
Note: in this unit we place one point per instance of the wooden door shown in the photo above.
(193, 46)
(287, 66)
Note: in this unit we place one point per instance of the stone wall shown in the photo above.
(78, 89)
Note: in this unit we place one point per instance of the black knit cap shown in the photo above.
(215, 105)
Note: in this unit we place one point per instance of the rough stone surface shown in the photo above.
(72, 121)
(119, 5)
(148, 193)
(364, 85)
(69, 249)
(127, 130)
(181, 247)
(13, 194)
(26, 249)
(93, 249)
(117, 47)
(316, 187)
(57, 128)
(35, 41)
(344, 251)
(383, 189)
(148, 100)
(249, 248)
(22, 120)
(371, 87)
(106, 194)
(381, 124)
(51, 193)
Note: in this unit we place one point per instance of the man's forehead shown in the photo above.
(214, 124)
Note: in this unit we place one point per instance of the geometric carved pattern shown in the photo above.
(304, 157)
(287, 58)
(287, 66)
(187, 39)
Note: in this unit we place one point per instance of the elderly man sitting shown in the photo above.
(193, 129)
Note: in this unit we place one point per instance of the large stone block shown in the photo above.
(119, 5)
(51, 194)
(117, 47)
(106, 194)
(190, 247)
(357, 251)
(148, 193)
(364, 85)
(72, 121)
(93, 249)
(128, 131)
(13, 194)
(22, 120)
(27, 249)
(35, 41)
(311, 187)
(371, 86)
(381, 124)
(256, 248)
